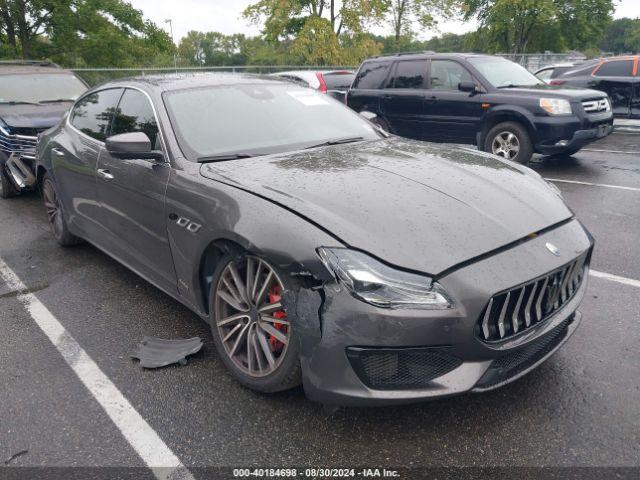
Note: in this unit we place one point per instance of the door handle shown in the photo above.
(57, 152)
(106, 174)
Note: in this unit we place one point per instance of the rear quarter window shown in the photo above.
(615, 68)
(371, 75)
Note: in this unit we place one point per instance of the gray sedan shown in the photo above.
(320, 250)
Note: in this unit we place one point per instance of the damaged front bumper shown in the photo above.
(357, 354)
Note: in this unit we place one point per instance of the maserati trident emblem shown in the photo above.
(553, 249)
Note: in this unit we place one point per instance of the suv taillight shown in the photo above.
(557, 82)
(323, 85)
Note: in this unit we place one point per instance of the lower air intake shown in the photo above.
(400, 368)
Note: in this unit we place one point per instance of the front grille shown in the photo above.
(18, 144)
(400, 368)
(596, 106)
(512, 364)
(520, 308)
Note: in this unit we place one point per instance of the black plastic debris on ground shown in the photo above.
(159, 352)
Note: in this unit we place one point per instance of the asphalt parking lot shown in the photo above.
(580, 408)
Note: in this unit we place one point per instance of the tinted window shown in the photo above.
(259, 119)
(338, 81)
(135, 114)
(446, 75)
(410, 74)
(92, 114)
(619, 68)
(371, 75)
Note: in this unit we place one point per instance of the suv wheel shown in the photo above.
(252, 333)
(511, 141)
(7, 189)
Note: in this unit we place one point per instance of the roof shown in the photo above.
(419, 55)
(179, 81)
(16, 67)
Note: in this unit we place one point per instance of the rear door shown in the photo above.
(403, 98)
(132, 195)
(74, 156)
(615, 77)
(452, 115)
(367, 88)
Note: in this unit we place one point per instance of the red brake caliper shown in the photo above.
(275, 294)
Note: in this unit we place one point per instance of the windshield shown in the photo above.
(260, 119)
(501, 72)
(40, 87)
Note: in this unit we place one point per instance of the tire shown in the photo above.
(253, 370)
(510, 140)
(7, 189)
(55, 215)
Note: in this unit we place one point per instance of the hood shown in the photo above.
(556, 91)
(41, 116)
(416, 205)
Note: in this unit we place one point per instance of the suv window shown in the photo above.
(447, 74)
(92, 114)
(135, 114)
(338, 80)
(371, 75)
(409, 74)
(615, 68)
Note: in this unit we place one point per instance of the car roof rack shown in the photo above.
(30, 63)
(400, 54)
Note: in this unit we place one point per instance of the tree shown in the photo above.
(622, 36)
(518, 26)
(406, 15)
(82, 32)
(318, 29)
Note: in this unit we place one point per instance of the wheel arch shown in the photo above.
(500, 115)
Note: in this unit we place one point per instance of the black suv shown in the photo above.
(34, 96)
(478, 99)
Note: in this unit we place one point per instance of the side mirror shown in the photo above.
(468, 87)
(131, 145)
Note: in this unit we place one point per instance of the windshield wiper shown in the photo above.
(57, 100)
(509, 85)
(338, 141)
(223, 157)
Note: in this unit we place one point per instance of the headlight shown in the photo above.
(4, 128)
(556, 106)
(377, 284)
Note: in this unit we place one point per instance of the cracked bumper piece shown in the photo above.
(373, 356)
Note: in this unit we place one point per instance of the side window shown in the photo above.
(545, 74)
(616, 68)
(371, 75)
(410, 74)
(447, 74)
(135, 114)
(92, 114)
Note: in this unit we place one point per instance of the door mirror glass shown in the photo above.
(131, 145)
(467, 87)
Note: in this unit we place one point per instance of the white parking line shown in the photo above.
(144, 440)
(560, 180)
(624, 152)
(615, 278)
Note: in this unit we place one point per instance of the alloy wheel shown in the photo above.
(249, 316)
(53, 208)
(506, 145)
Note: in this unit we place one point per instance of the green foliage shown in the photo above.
(77, 33)
(320, 30)
(622, 36)
(520, 26)
(408, 16)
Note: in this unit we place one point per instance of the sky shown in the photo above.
(226, 16)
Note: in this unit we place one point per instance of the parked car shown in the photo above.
(548, 73)
(478, 99)
(319, 249)
(33, 97)
(335, 83)
(618, 77)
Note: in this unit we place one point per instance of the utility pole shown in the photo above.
(175, 58)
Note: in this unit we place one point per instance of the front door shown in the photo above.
(615, 78)
(453, 115)
(132, 196)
